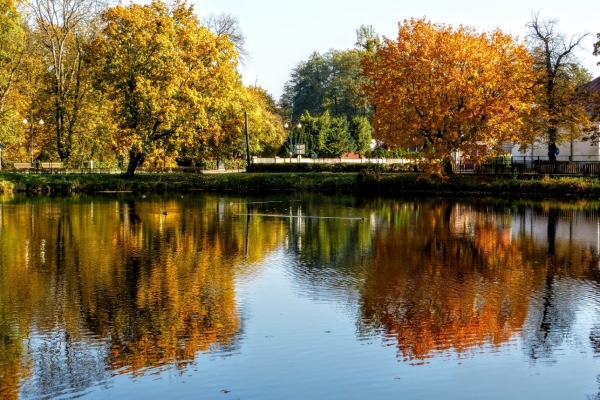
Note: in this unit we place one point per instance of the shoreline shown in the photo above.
(363, 183)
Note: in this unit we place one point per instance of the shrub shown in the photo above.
(6, 187)
(324, 167)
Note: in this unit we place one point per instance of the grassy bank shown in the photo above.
(360, 183)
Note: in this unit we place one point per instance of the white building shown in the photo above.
(577, 150)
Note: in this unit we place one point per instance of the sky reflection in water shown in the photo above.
(109, 297)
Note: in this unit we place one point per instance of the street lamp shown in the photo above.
(1, 147)
(25, 122)
(289, 126)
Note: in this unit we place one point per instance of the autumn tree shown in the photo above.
(267, 134)
(12, 47)
(225, 24)
(265, 128)
(167, 76)
(445, 90)
(562, 109)
(64, 28)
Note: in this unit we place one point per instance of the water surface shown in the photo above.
(300, 296)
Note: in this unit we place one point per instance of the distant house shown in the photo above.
(576, 150)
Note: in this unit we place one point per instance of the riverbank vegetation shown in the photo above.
(366, 182)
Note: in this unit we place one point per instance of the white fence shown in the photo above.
(296, 160)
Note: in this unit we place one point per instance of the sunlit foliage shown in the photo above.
(167, 76)
(444, 89)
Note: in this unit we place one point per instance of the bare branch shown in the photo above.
(227, 25)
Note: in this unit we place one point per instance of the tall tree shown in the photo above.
(327, 82)
(64, 29)
(445, 89)
(169, 78)
(561, 108)
(325, 135)
(12, 47)
(597, 47)
(265, 126)
(367, 39)
(361, 132)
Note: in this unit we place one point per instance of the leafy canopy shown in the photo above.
(169, 77)
(327, 82)
(443, 89)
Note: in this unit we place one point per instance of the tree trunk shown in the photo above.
(448, 168)
(134, 159)
(552, 148)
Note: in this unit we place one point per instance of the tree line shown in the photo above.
(437, 90)
(158, 86)
(144, 84)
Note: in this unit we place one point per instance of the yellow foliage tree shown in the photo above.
(444, 90)
(11, 53)
(562, 106)
(169, 77)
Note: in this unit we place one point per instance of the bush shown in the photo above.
(234, 164)
(209, 164)
(6, 187)
(325, 167)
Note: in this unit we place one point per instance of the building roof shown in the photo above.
(593, 85)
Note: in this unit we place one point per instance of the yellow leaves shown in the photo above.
(165, 72)
(444, 89)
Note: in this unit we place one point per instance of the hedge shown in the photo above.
(327, 167)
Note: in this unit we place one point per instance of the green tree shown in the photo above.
(326, 136)
(367, 39)
(337, 139)
(327, 82)
(361, 132)
(169, 78)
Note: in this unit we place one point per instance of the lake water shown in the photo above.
(298, 297)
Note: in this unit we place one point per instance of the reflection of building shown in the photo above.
(569, 224)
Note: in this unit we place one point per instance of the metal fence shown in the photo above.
(578, 166)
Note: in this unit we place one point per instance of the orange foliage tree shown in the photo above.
(444, 90)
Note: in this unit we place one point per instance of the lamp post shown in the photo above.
(30, 123)
(1, 147)
(291, 128)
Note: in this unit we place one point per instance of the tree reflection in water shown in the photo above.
(457, 277)
(99, 286)
(92, 287)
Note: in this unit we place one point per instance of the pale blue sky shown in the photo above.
(282, 33)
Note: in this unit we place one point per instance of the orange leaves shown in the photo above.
(445, 89)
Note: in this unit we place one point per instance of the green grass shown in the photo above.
(365, 182)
